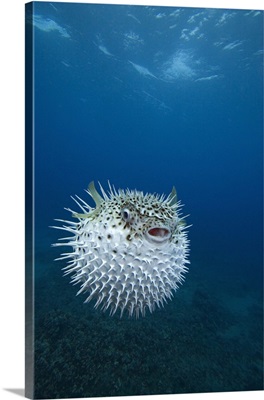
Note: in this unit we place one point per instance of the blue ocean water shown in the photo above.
(148, 98)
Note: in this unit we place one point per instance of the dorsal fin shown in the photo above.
(173, 196)
(95, 195)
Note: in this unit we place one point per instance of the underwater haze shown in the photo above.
(148, 98)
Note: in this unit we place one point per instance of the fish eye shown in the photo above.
(126, 214)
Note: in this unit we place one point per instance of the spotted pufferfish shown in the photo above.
(130, 252)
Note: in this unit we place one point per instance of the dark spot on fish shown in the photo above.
(128, 237)
(109, 236)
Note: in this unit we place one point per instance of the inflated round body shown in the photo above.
(130, 252)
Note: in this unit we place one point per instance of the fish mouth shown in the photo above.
(158, 234)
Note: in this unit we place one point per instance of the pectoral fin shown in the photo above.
(77, 215)
(173, 196)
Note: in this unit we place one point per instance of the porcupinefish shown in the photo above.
(130, 252)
